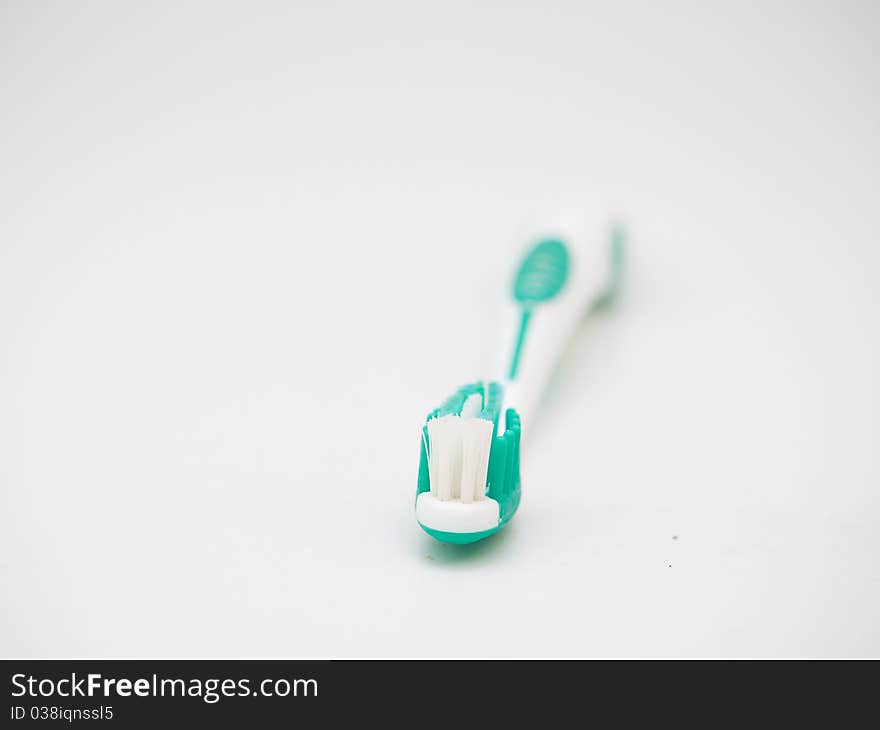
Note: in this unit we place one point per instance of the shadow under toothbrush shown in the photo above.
(445, 554)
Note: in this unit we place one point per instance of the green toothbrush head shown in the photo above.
(469, 478)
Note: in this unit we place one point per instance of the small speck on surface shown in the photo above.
(429, 557)
(675, 537)
(669, 565)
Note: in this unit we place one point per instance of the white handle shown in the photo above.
(571, 261)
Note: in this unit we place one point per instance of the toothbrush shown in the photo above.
(469, 468)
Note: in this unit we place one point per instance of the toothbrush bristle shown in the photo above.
(444, 456)
(473, 405)
(458, 446)
(476, 442)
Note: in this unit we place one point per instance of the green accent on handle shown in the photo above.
(540, 277)
(520, 339)
(542, 273)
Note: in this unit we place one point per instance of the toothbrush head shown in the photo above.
(469, 482)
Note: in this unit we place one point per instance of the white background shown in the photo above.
(245, 248)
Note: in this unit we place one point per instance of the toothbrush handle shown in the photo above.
(570, 262)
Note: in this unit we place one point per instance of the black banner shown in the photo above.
(169, 693)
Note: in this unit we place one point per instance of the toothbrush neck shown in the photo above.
(521, 399)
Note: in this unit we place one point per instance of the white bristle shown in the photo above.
(476, 441)
(458, 456)
(444, 462)
(472, 406)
